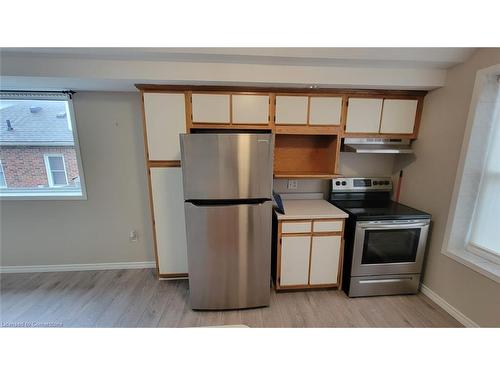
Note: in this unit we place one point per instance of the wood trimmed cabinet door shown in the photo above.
(325, 110)
(325, 258)
(250, 109)
(169, 222)
(398, 116)
(165, 119)
(295, 260)
(211, 108)
(363, 115)
(291, 110)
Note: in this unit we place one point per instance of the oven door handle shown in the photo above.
(379, 281)
(392, 226)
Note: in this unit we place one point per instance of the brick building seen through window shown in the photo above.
(37, 148)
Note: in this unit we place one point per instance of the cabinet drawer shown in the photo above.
(328, 226)
(296, 227)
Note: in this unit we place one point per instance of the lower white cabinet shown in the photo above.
(169, 222)
(310, 253)
(295, 260)
(325, 257)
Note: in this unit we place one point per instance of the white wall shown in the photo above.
(428, 185)
(95, 230)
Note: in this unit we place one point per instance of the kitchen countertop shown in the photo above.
(310, 209)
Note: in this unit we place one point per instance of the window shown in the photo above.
(485, 229)
(39, 144)
(3, 182)
(56, 170)
(473, 231)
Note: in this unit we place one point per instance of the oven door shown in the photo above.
(389, 247)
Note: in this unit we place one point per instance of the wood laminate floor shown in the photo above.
(135, 298)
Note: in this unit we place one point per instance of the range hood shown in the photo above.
(377, 146)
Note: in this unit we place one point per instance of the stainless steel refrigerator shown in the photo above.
(227, 191)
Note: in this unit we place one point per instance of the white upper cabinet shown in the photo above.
(295, 260)
(325, 258)
(210, 108)
(325, 110)
(169, 222)
(398, 116)
(363, 115)
(291, 110)
(165, 117)
(250, 109)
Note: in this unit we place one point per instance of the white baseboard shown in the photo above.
(77, 267)
(458, 315)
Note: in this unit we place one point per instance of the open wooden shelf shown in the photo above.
(304, 174)
(306, 156)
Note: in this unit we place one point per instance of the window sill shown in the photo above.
(483, 266)
(43, 194)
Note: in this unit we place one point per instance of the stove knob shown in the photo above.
(375, 183)
(344, 183)
(337, 183)
(386, 182)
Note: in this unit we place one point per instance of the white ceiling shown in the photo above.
(118, 69)
(440, 58)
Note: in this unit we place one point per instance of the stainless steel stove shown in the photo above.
(384, 240)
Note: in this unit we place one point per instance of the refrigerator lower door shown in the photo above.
(229, 255)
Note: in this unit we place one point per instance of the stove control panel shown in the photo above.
(362, 184)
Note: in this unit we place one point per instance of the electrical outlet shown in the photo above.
(132, 236)
(293, 184)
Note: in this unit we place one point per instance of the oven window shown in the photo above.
(390, 246)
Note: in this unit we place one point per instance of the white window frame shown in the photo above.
(56, 193)
(49, 169)
(457, 244)
(4, 184)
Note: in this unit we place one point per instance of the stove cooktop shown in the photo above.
(379, 210)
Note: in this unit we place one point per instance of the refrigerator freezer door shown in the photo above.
(229, 255)
(227, 166)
